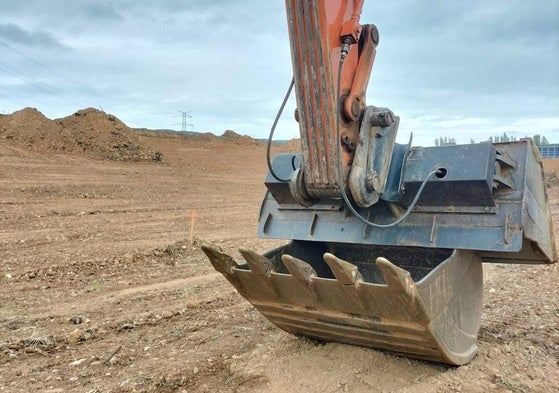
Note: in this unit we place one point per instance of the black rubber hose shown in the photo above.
(273, 129)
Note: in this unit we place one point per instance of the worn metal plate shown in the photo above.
(514, 225)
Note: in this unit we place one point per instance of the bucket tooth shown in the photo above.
(221, 262)
(298, 268)
(396, 278)
(258, 264)
(346, 273)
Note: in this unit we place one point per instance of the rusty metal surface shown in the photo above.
(435, 318)
(314, 31)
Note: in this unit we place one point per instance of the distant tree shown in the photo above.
(472, 141)
(441, 141)
(540, 140)
(501, 138)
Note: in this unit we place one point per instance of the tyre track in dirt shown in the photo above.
(93, 303)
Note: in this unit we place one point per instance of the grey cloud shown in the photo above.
(13, 33)
(527, 23)
(472, 21)
(482, 59)
(98, 10)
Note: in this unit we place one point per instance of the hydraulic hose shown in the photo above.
(344, 52)
(273, 129)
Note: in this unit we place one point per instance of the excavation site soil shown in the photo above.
(104, 288)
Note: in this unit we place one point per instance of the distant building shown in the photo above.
(549, 151)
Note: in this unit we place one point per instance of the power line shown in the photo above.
(14, 92)
(51, 70)
(9, 70)
(12, 99)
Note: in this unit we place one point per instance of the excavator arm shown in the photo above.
(322, 35)
(386, 240)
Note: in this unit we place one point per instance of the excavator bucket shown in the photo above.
(386, 239)
(419, 302)
(413, 288)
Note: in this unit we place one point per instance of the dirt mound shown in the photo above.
(31, 128)
(229, 136)
(203, 136)
(291, 146)
(245, 140)
(88, 131)
(106, 136)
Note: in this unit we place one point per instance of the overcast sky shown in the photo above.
(463, 69)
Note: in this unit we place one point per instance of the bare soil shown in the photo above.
(88, 132)
(102, 291)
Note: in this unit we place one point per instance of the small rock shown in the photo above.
(342, 386)
(196, 370)
(77, 362)
(9, 276)
(76, 336)
(77, 320)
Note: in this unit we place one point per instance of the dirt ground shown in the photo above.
(101, 290)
